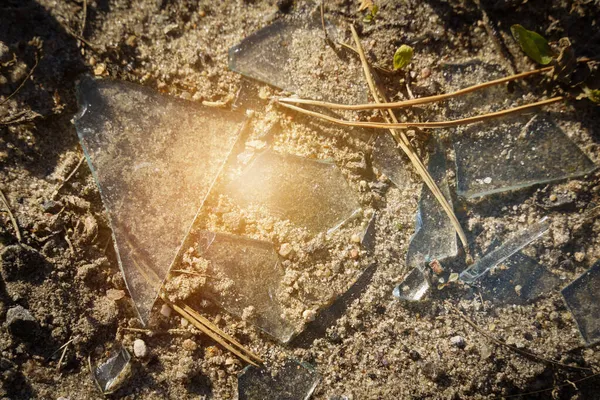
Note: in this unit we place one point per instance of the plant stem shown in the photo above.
(413, 102)
(404, 143)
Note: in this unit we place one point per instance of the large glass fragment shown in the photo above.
(246, 278)
(435, 237)
(515, 153)
(292, 54)
(510, 247)
(311, 194)
(388, 159)
(154, 159)
(583, 299)
(505, 153)
(294, 381)
(521, 280)
(114, 372)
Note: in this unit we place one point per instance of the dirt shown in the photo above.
(65, 273)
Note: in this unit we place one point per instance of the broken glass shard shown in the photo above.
(309, 193)
(583, 299)
(435, 237)
(292, 54)
(521, 280)
(389, 161)
(247, 278)
(510, 247)
(294, 381)
(154, 159)
(111, 374)
(413, 287)
(514, 154)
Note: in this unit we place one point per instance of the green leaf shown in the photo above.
(533, 44)
(371, 15)
(403, 56)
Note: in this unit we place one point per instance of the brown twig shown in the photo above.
(84, 17)
(37, 60)
(513, 348)
(404, 143)
(60, 186)
(413, 102)
(430, 125)
(64, 348)
(11, 216)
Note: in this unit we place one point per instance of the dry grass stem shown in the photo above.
(427, 125)
(412, 102)
(11, 216)
(37, 60)
(68, 177)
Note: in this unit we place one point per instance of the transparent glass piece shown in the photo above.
(510, 247)
(294, 381)
(521, 282)
(389, 161)
(413, 287)
(246, 273)
(513, 154)
(311, 194)
(154, 159)
(293, 55)
(112, 374)
(435, 237)
(583, 299)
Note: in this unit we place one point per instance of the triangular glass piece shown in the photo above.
(154, 159)
(435, 236)
(583, 299)
(292, 54)
(246, 275)
(389, 160)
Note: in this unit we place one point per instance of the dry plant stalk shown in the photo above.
(405, 144)
(11, 216)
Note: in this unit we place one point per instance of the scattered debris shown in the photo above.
(294, 381)
(112, 373)
(581, 297)
(510, 247)
(140, 350)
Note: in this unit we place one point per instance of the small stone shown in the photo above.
(579, 256)
(458, 341)
(436, 267)
(115, 294)
(166, 310)
(21, 323)
(139, 348)
(487, 180)
(485, 352)
(355, 238)
(553, 197)
(202, 13)
(354, 253)
(189, 345)
(100, 69)
(518, 289)
(285, 250)
(229, 361)
(184, 322)
(425, 73)
(309, 315)
(414, 355)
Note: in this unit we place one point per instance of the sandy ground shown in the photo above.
(66, 271)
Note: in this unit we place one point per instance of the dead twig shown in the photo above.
(60, 186)
(84, 17)
(513, 348)
(404, 143)
(430, 125)
(413, 102)
(64, 348)
(11, 216)
(37, 60)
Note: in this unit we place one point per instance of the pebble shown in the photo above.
(579, 256)
(458, 341)
(553, 197)
(100, 69)
(115, 294)
(355, 238)
(285, 250)
(189, 345)
(139, 348)
(309, 315)
(21, 323)
(425, 73)
(166, 310)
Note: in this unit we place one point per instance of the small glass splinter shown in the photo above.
(509, 248)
